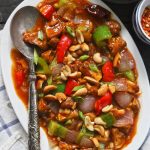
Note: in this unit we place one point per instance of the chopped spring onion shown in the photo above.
(84, 57)
(40, 35)
(70, 31)
(40, 95)
(49, 80)
(100, 34)
(93, 67)
(76, 88)
(36, 57)
(130, 75)
(81, 115)
(41, 62)
(77, 99)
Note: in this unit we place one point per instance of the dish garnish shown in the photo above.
(86, 76)
(146, 21)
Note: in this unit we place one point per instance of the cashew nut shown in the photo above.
(75, 48)
(69, 59)
(116, 60)
(63, 77)
(88, 123)
(80, 92)
(66, 70)
(91, 80)
(75, 74)
(50, 97)
(85, 47)
(112, 88)
(64, 111)
(100, 129)
(97, 58)
(80, 37)
(49, 88)
(61, 97)
(95, 141)
(107, 108)
(98, 120)
(102, 90)
(39, 84)
(41, 76)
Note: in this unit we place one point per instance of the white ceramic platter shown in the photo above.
(19, 108)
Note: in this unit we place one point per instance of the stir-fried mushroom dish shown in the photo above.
(86, 76)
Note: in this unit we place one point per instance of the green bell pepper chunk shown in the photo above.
(36, 57)
(78, 99)
(61, 131)
(76, 88)
(56, 129)
(100, 34)
(84, 57)
(52, 127)
(41, 62)
(130, 75)
(93, 67)
(70, 31)
(62, 2)
(60, 88)
(44, 65)
(109, 119)
(49, 80)
(40, 35)
(81, 115)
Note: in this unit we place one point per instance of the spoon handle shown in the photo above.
(33, 127)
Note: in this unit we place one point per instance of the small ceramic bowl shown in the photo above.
(121, 1)
(137, 16)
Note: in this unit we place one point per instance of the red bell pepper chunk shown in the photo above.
(102, 102)
(69, 86)
(62, 47)
(108, 73)
(20, 77)
(47, 11)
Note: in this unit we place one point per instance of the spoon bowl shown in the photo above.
(23, 20)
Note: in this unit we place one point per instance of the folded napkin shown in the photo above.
(12, 135)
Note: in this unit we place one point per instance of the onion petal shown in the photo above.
(125, 120)
(123, 99)
(88, 104)
(121, 84)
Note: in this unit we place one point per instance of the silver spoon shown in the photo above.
(23, 20)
